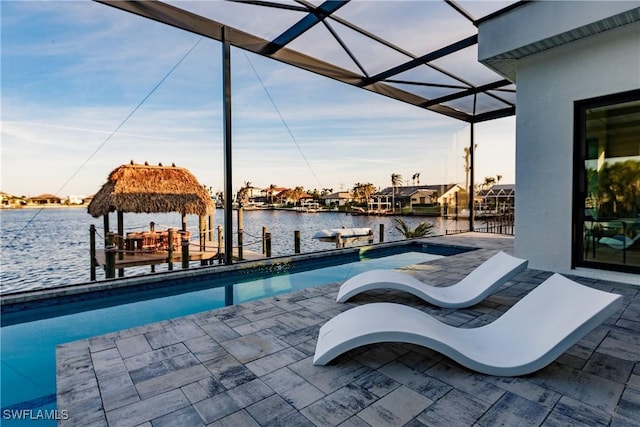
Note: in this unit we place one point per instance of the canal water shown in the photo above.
(50, 247)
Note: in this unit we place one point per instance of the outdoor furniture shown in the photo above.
(134, 241)
(476, 286)
(149, 241)
(529, 336)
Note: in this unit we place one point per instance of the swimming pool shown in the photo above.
(28, 347)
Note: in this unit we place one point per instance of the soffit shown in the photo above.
(419, 52)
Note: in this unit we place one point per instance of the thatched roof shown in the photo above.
(151, 189)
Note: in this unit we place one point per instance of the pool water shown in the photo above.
(28, 370)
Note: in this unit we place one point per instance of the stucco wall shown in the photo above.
(548, 84)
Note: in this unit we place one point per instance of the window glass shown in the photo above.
(610, 181)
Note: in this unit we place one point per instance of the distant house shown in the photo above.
(269, 195)
(498, 198)
(415, 195)
(45, 199)
(340, 198)
(287, 196)
(75, 200)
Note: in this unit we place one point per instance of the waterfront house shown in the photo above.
(498, 198)
(45, 199)
(340, 198)
(412, 196)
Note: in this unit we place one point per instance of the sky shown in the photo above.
(86, 88)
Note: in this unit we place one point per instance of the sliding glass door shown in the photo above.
(607, 183)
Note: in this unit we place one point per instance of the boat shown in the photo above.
(342, 236)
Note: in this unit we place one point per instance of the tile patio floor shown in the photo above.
(251, 365)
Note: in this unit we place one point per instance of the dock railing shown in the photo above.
(503, 224)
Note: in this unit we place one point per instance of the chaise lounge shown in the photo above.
(526, 338)
(476, 286)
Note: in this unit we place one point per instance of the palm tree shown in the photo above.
(396, 181)
(270, 191)
(415, 177)
(422, 230)
(295, 194)
(363, 192)
(488, 181)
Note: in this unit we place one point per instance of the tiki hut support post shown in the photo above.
(120, 241)
(105, 220)
(110, 254)
(211, 227)
(381, 233)
(296, 241)
(228, 184)
(170, 248)
(184, 242)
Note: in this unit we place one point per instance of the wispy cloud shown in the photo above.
(72, 71)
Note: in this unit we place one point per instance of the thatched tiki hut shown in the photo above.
(150, 189)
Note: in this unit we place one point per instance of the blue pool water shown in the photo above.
(28, 348)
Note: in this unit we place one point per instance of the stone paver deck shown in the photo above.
(251, 365)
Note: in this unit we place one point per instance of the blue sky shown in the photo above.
(72, 71)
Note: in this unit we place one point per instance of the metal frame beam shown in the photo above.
(228, 154)
(182, 19)
(468, 92)
(424, 59)
(305, 24)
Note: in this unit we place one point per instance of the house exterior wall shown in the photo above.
(548, 83)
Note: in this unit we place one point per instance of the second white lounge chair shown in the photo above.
(476, 286)
(529, 336)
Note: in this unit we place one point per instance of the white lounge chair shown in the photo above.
(482, 281)
(529, 336)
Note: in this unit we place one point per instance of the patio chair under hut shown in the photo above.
(135, 188)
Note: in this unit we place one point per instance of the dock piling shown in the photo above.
(240, 232)
(92, 251)
(170, 249)
(296, 241)
(264, 239)
(220, 259)
(267, 241)
(120, 241)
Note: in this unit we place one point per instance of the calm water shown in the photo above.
(50, 247)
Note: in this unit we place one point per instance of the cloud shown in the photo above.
(72, 72)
